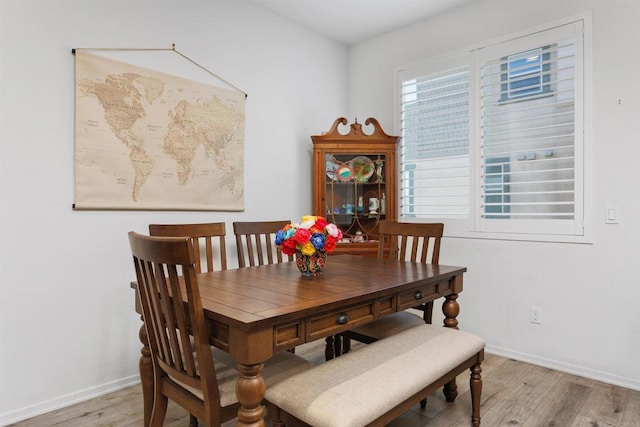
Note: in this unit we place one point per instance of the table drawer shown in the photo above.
(337, 321)
(417, 296)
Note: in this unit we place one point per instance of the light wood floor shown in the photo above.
(514, 394)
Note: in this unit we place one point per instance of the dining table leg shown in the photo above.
(451, 309)
(250, 390)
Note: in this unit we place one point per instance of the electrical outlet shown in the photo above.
(535, 314)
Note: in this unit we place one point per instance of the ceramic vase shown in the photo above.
(311, 265)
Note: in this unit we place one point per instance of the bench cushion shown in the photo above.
(358, 387)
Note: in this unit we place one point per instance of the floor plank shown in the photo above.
(520, 388)
(514, 394)
(560, 406)
(631, 414)
(605, 405)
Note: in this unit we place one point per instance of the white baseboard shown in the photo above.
(93, 392)
(66, 400)
(580, 371)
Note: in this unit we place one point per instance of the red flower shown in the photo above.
(315, 229)
(302, 235)
(321, 223)
(289, 247)
(330, 244)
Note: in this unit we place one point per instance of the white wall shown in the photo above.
(67, 328)
(67, 325)
(589, 293)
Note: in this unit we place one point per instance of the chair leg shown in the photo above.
(159, 410)
(275, 415)
(328, 348)
(193, 420)
(423, 403)
(346, 345)
(337, 345)
(475, 385)
(427, 312)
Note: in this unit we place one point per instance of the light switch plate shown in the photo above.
(612, 215)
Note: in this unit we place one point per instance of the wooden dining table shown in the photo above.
(256, 311)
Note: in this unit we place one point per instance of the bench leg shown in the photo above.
(475, 385)
(451, 390)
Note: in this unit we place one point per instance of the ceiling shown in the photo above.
(353, 21)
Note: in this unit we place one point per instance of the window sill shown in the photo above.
(548, 238)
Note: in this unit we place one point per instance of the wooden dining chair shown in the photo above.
(209, 245)
(418, 242)
(186, 369)
(208, 241)
(255, 243)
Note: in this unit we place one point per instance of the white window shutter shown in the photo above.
(494, 140)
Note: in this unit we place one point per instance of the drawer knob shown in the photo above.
(342, 318)
(418, 295)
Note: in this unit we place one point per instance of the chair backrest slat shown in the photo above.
(209, 237)
(410, 241)
(255, 243)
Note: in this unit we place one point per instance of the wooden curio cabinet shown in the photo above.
(354, 182)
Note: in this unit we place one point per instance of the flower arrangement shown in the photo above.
(313, 234)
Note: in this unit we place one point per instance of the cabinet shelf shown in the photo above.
(351, 183)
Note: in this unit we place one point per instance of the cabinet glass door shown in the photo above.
(355, 198)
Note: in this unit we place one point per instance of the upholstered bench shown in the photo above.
(377, 383)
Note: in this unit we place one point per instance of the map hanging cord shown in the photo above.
(209, 71)
(172, 48)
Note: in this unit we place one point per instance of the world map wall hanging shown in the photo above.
(151, 140)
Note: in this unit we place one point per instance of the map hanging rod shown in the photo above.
(172, 48)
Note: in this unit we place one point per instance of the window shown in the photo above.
(526, 74)
(436, 144)
(493, 141)
(496, 192)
